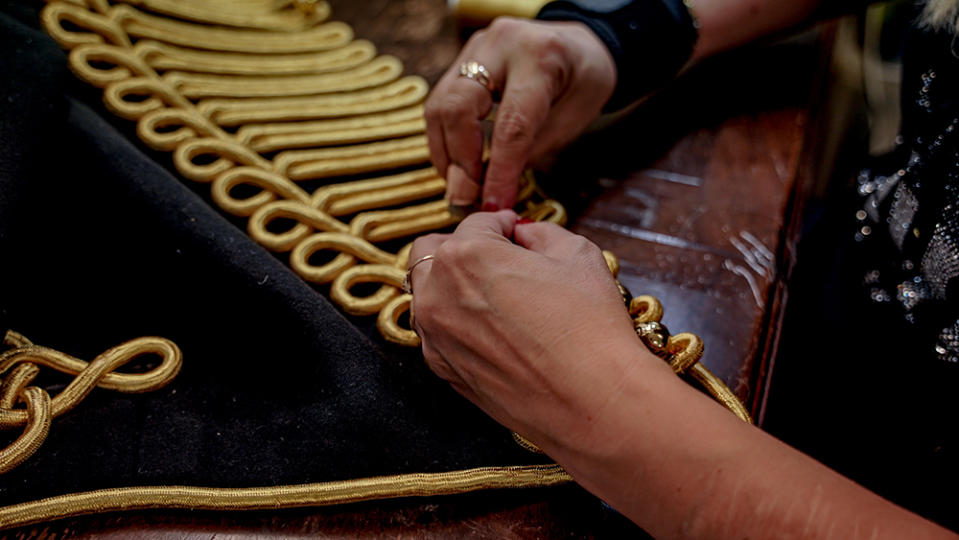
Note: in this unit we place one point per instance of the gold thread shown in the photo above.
(237, 14)
(98, 372)
(404, 92)
(39, 415)
(306, 217)
(388, 322)
(355, 129)
(324, 106)
(164, 57)
(387, 274)
(260, 498)
(371, 74)
(355, 159)
(23, 361)
(137, 24)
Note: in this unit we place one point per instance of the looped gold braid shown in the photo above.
(99, 28)
(271, 187)
(306, 217)
(23, 361)
(161, 56)
(389, 275)
(87, 63)
(354, 159)
(263, 103)
(317, 133)
(228, 154)
(360, 195)
(137, 24)
(682, 351)
(349, 248)
(155, 128)
(235, 13)
(388, 322)
(236, 112)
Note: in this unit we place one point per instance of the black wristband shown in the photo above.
(650, 40)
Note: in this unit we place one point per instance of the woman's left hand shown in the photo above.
(534, 333)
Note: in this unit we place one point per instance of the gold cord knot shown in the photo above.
(22, 364)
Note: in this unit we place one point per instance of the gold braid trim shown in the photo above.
(23, 362)
(319, 494)
(682, 351)
(268, 95)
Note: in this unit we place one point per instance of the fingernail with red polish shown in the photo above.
(490, 207)
(524, 221)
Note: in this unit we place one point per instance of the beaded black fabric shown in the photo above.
(908, 222)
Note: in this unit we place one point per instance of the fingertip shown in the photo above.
(461, 188)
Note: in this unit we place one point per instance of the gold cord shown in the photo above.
(23, 361)
(271, 97)
(259, 498)
(258, 93)
(682, 351)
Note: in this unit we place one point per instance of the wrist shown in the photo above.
(650, 41)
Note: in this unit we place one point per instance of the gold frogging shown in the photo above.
(21, 363)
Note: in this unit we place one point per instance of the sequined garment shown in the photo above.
(908, 221)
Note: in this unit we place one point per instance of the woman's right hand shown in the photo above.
(554, 78)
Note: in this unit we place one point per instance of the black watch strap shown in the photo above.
(650, 40)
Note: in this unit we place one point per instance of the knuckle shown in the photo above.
(453, 254)
(552, 59)
(511, 127)
(583, 247)
(454, 106)
(504, 26)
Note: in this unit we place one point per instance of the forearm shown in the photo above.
(726, 24)
(681, 466)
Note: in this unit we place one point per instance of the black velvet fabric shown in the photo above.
(102, 243)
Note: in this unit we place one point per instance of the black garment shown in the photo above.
(102, 244)
(867, 374)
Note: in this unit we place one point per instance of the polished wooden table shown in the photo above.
(698, 192)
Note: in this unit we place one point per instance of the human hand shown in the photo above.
(534, 333)
(554, 77)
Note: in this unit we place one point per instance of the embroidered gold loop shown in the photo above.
(645, 308)
(271, 186)
(351, 197)
(547, 210)
(307, 104)
(682, 351)
(232, 112)
(22, 363)
(237, 14)
(357, 129)
(100, 28)
(388, 322)
(319, 38)
(349, 248)
(307, 219)
(163, 57)
(389, 275)
(154, 128)
(227, 153)
(355, 159)
(98, 372)
(392, 224)
(39, 417)
(151, 94)
(86, 62)
(380, 71)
